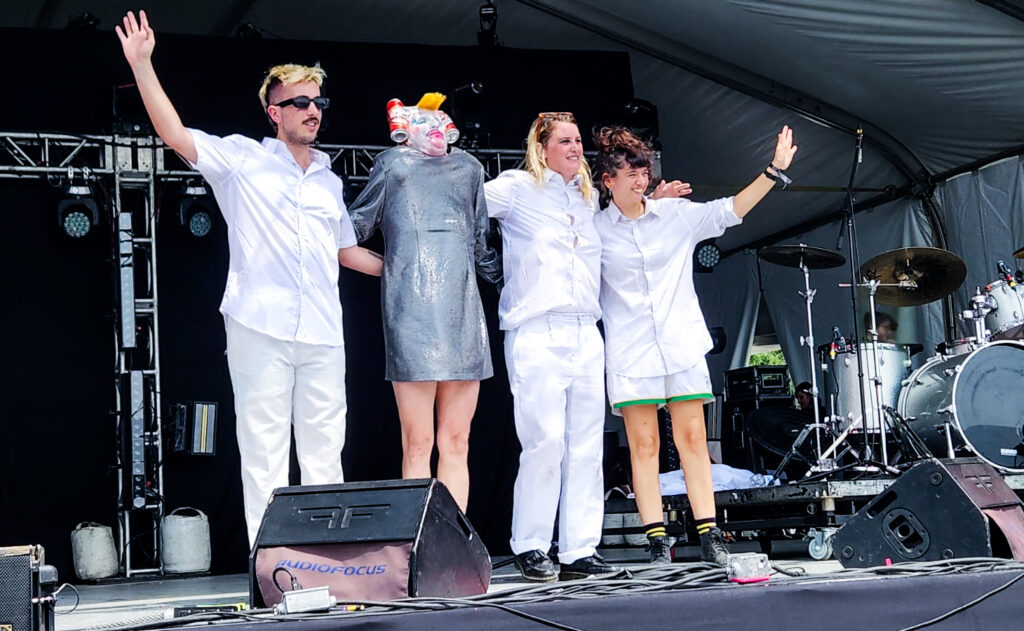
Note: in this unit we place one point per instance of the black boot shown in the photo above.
(713, 549)
(534, 565)
(586, 567)
(661, 552)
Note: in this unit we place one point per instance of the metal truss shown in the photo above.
(129, 168)
(38, 154)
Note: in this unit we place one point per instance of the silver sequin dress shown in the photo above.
(432, 212)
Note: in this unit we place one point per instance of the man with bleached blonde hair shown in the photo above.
(287, 232)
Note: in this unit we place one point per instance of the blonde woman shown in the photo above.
(654, 329)
(549, 310)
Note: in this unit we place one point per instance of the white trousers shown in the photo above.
(278, 384)
(556, 371)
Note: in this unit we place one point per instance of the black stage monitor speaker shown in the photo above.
(367, 541)
(26, 589)
(935, 510)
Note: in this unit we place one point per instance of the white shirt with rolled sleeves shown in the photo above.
(551, 250)
(652, 318)
(285, 227)
(285, 342)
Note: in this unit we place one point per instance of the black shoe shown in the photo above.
(661, 552)
(586, 567)
(534, 565)
(713, 549)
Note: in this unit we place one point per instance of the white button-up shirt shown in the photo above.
(285, 227)
(652, 320)
(550, 249)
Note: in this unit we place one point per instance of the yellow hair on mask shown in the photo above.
(431, 101)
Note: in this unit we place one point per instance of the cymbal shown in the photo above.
(914, 276)
(1019, 254)
(793, 255)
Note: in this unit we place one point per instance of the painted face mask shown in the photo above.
(423, 127)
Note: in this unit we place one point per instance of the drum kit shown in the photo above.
(967, 399)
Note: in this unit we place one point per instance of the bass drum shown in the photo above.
(980, 394)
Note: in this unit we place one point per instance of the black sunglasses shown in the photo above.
(302, 102)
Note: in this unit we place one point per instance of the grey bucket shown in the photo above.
(185, 542)
(93, 551)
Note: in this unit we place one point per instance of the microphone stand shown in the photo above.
(854, 260)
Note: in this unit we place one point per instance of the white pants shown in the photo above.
(278, 383)
(556, 371)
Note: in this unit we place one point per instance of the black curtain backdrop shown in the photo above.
(57, 430)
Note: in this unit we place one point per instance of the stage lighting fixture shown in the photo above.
(706, 256)
(488, 34)
(196, 209)
(84, 21)
(77, 213)
(641, 117)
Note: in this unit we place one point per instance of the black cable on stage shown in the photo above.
(965, 606)
(522, 614)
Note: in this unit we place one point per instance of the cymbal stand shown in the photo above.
(808, 341)
(874, 378)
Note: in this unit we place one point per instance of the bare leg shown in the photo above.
(642, 434)
(456, 404)
(691, 441)
(416, 411)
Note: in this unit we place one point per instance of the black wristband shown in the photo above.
(778, 176)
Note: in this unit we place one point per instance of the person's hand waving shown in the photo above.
(784, 149)
(137, 38)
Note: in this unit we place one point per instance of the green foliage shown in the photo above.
(771, 358)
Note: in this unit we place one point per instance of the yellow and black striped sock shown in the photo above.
(653, 530)
(704, 525)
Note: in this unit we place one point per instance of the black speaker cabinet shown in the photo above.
(367, 541)
(936, 510)
(26, 589)
(738, 450)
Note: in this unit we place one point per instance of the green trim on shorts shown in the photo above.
(626, 404)
(691, 397)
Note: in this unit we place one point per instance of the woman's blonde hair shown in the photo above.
(287, 74)
(540, 132)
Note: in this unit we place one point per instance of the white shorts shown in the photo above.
(692, 383)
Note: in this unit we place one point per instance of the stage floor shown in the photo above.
(949, 595)
(148, 600)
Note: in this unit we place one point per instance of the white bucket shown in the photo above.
(93, 551)
(185, 542)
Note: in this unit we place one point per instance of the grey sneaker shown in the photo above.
(661, 551)
(713, 548)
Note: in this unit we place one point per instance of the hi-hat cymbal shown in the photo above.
(1019, 254)
(914, 276)
(793, 255)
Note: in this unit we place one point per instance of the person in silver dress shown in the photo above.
(427, 198)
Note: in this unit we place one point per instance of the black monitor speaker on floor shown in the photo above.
(936, 510)
(367, 541)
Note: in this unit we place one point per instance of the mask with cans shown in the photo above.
(423, 126)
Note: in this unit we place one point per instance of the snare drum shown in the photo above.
(978, 395)
(893, 368)
(1006, 320)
